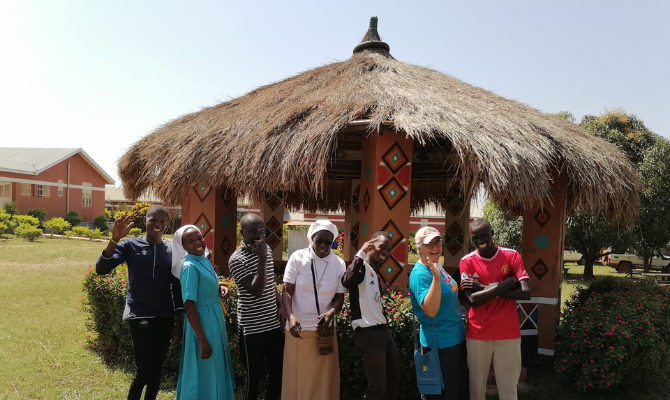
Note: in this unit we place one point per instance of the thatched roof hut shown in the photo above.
(290, 136)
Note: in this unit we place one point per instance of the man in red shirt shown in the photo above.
(493, 278)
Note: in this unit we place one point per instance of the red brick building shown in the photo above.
(57, 180)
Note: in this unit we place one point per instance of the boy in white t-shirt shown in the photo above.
(371, 333)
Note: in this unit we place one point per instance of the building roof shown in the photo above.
(284, 136)
(33, 161)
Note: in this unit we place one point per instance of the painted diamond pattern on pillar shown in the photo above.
(366, 200)
(273, 242)
(202, 191)
(455, 200)
(227, 196)
(542, 217)
(395, 158)
(527, 313)
(225, 246)
(203, 224)
(393, 230)
(353, 236)
(356, 197)
(273, 232)
(539, 269)
(453, 238)
(390, 270)
(454, 247)
(272, 200)
(392, 193)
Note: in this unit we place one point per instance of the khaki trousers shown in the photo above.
(506, 355)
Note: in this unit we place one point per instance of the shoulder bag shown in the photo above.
(325, 336)
(427, 366)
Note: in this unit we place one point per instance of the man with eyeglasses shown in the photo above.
(493, 278)
(259, 310)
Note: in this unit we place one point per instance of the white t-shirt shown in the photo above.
(328, 271)
(369, 298)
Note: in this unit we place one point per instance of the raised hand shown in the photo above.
(121, 227)
(370, 245)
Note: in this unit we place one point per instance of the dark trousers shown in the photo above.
(151, 341)
(260, 350)
(380, 363)
(454, 365)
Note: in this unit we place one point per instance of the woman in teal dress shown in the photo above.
(205, 369)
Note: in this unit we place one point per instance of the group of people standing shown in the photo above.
(290, 337)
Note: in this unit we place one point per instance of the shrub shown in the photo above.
(25, 219)
(101, 221)
(614, 335)
(79, 231)
(27, 232)
(3, 228)
(135, 232)
(38, 213)
(139, 214)
(106, 296)
(7, 221)
(57, 225)
(10, 208)
(73, 218)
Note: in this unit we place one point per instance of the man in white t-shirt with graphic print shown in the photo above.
(258, 308)
(371, 333)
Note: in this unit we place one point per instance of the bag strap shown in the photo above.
(316, 296)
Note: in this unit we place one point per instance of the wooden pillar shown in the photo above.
(214, 212)
(351, 216)
(386, 175)
(456, 226)
(542, 253)
(272, 213)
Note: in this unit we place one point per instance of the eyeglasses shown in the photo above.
(432, 245)
(319, 242)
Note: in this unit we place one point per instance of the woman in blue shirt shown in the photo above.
(434, 296)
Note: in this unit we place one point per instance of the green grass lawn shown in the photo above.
(42, 331)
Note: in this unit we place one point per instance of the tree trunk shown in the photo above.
(588, 267)
(646, 258)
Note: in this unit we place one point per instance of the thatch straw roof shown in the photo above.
(283, 137)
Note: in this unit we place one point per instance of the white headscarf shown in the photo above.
(178, 252)
(321, 225)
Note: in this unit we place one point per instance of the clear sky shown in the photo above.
(102, 74)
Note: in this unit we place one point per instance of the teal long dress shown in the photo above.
(212, 378)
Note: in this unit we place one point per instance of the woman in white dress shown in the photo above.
(313, 273)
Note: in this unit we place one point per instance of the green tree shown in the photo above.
(588, 232)
(646, 151)
(652, 230)
(57, 225)
(506, 227)
(38, 213)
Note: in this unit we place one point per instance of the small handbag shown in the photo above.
(325, 337)
(427, 366)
